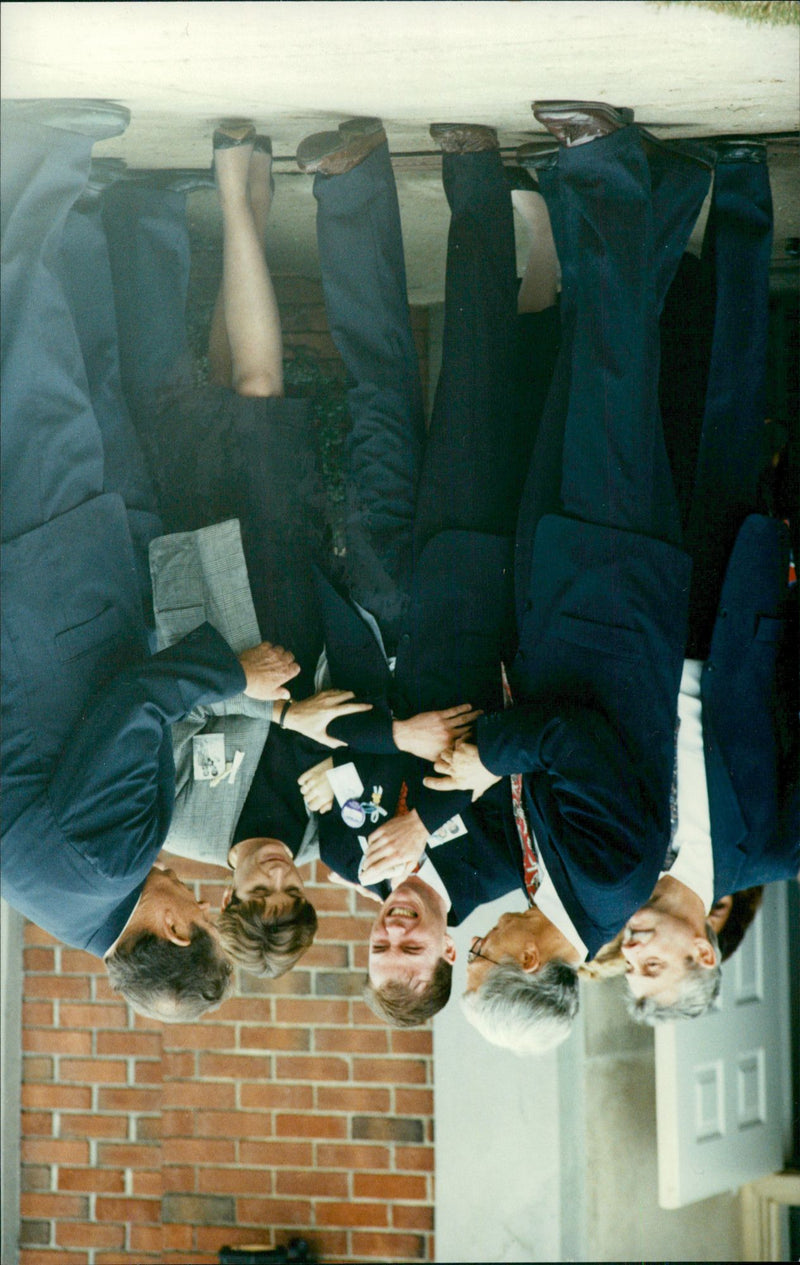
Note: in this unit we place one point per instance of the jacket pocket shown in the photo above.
(83, 638)
(593, 635)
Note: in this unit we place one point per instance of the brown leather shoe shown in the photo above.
(464, 138)
(334, 153)
(576, 122)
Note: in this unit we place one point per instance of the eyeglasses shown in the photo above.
(473, 953)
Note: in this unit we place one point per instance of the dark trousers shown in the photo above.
(735, 268)
(404, 489)
(622, 220)
(52, 450)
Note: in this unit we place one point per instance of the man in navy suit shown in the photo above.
(87, 762)
(423, 617)
(737, 741)
(601, 585)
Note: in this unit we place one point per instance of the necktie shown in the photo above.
(530, 864)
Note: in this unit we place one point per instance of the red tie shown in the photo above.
(530, 865)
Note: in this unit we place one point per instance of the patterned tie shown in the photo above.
(530, 864)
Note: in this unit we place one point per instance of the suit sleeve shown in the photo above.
(369, 732)
(111, 772)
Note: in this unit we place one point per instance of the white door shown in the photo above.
(722, 1081)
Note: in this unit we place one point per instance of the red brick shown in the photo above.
(148, 1072)
(330, 955)
(200, 1093)
(233, 1124)
(251, 1037)
(176, 1238)
(57, 986)
(148, 1129)
(312, 1010)
(274, 1154)
(211, 1238)
(177, 1064)
(339, 929)
(330, 898)
(247, 1010)
(57, 1097)
(54, 1206)
(309, 1126)
(203, 1036)
(127, 1155)
(77, 1234)
(36, 1177)
(352, 1156)
(351, 1214)
(147, 1183)
(127, 1210)
(234, 1066)
(130, 1044)
(314, 1184)
(293, 984)
(30, 1257)
(178, 1124)
(351, 1040)
(412, 1042)
(311, 1069)
(53, 1151)
(37, 1124)
(38, 959)
(94, 1015)
(420, 1158)
(177, 1178)
(393, 1247)
(391, 1071)
(37, 1014)
(56, 1041)
(273, 1212)
(37, 1069)
(413, 1102)
(123, 1258)
(389, 1186)
(342, 1098)
(93, 1071)
(411, 1217)
(269, 1095)
(90, 1179)
(198, 1151)
(94, 1126)
(235, 1181)
(145, 1238)
(129, 1100)
(76, 962)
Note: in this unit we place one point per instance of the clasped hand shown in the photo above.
(394, 849)
(266, 669)
(428, 734)
(461, 770)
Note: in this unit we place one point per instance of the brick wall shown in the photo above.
(289, 1111)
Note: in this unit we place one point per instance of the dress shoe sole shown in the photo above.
(464, 138)
(334, 153)
(621, 113)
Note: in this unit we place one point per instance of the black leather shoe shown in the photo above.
(573, 122)
(334, 153)
(464, 138)
(98, 119)
(733, 150)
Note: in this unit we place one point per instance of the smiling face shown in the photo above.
(264, 868)
(659, 949)
(409, 937)
(513, 936)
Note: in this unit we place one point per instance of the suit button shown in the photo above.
(405, 638)
(709, 666)
(723, 614)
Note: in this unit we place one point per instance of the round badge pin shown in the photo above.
(353, 814)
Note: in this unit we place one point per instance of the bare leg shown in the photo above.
(539, 286)
(250, 310)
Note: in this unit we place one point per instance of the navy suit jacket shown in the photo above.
(595, 684)
(456, 632)
(87, 750)
(749, 697)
